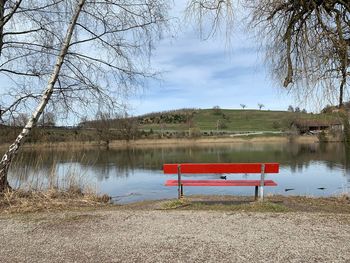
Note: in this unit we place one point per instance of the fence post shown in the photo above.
(179, 187)
(262, 182)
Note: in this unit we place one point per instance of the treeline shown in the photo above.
(74, 134)
(176, 117)
(170, 112)
(104, 120)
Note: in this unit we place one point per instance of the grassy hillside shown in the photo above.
(172, 124)
(230, 120)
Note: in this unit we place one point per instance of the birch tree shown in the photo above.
(97, 50)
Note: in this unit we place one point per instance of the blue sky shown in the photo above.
(202, 74)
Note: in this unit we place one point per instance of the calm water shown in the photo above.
(136, 174)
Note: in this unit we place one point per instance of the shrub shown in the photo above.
(194, 132)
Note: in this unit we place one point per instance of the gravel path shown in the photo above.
(175, 236)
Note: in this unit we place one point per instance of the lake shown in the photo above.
(135, 174)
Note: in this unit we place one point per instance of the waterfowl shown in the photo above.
(289, 189)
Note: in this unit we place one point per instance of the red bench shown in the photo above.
(221, 168)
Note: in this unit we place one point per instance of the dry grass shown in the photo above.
(165, 142)
(46, 189)
(53, 199)
(67, 192)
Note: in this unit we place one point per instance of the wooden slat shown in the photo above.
(213, 168)
(219, 183)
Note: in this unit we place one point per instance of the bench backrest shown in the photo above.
(220, 168)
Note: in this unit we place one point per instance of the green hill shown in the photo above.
(226, 120)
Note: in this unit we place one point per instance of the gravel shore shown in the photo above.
(175, 236)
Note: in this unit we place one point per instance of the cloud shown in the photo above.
(202, 74)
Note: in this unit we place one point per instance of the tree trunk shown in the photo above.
(2, 12)
(13, 149)
(343, 52)
(341, 92)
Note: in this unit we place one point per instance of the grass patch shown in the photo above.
(242, 207)
(224, 205)
(274, 204)
(174, 204)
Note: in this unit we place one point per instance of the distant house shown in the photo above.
(314, 126)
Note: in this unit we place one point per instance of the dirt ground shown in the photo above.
(115, 234)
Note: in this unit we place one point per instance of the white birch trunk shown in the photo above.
(2, 11)
(13, 149)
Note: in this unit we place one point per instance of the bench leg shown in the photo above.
(261, 198)
(256, 193)
(262, 182)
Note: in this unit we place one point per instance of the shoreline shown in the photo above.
(21, 203)
(153, 143)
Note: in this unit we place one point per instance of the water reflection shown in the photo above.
(302, 165)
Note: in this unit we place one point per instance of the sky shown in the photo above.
(203, 74)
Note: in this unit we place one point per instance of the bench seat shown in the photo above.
(220, 183)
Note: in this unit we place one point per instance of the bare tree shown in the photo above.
(217, 110)
(20, 120)
(127, 126)
(307, 43)
(260, 105)
(103, 125)
(26, 31)
(47, 119)
(100, 55)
